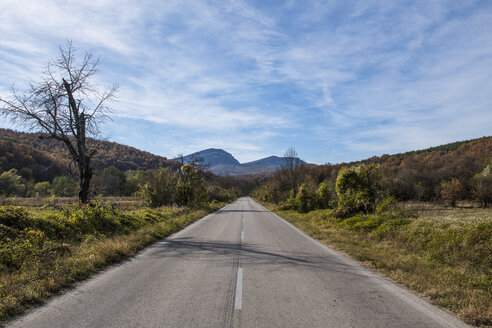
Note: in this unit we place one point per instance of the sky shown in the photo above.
(337, 80)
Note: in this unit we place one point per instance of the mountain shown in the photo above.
(272, 162)
(212, 157)
(220, 162)
(45, 159)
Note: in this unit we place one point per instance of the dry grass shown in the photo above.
(443, 254)
(122, 203)
(463, 211)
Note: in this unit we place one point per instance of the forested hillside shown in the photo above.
(44, 159)
(30, 162)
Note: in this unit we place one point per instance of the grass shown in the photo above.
(45, 250)
(445, 256)
(34, 203)
(464, 211)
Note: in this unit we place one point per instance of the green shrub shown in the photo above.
(42, 189)
(386, 221)
(363, 222)
(14, 217)
(221, 194)
(290, 203)
(358, 189)
(305, 200)
(326, 196)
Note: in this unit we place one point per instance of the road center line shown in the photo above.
(242, 235)
(238, 305)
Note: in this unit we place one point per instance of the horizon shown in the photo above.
(338, 82)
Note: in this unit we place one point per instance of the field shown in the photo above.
(44, 249)
(464, 211)
(442, 253)
(122, 203)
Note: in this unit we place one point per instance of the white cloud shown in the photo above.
(375, 76)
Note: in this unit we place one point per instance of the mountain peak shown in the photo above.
(212, 157)
(221, 162)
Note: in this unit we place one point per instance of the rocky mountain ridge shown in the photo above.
(220, 162)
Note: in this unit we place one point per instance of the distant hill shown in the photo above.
(45, 159)
(418, 174)
(272, 162)
(220, 162)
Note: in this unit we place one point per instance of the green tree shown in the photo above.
(190, 190)
(160, 189)
(359, 189)
(220, 194)
(136, 180)
(64, 186)
(11, 184)
(110, 181)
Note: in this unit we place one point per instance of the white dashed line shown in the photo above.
(238, 305)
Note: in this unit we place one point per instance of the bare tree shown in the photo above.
(197, 162)
(180, 158)
(292, 168)
(65, 106)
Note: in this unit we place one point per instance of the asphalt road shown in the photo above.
(242, 266)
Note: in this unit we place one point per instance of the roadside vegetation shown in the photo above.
(185, 185)
(446, 259)
(441, 248)
(47, 249)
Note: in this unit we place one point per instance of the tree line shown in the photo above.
(449, 173)
(187, 185)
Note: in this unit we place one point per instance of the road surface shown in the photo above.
(242, 266)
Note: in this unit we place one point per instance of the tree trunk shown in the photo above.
(85, 176)
(85, 172)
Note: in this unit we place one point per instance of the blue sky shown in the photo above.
(338, 80)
